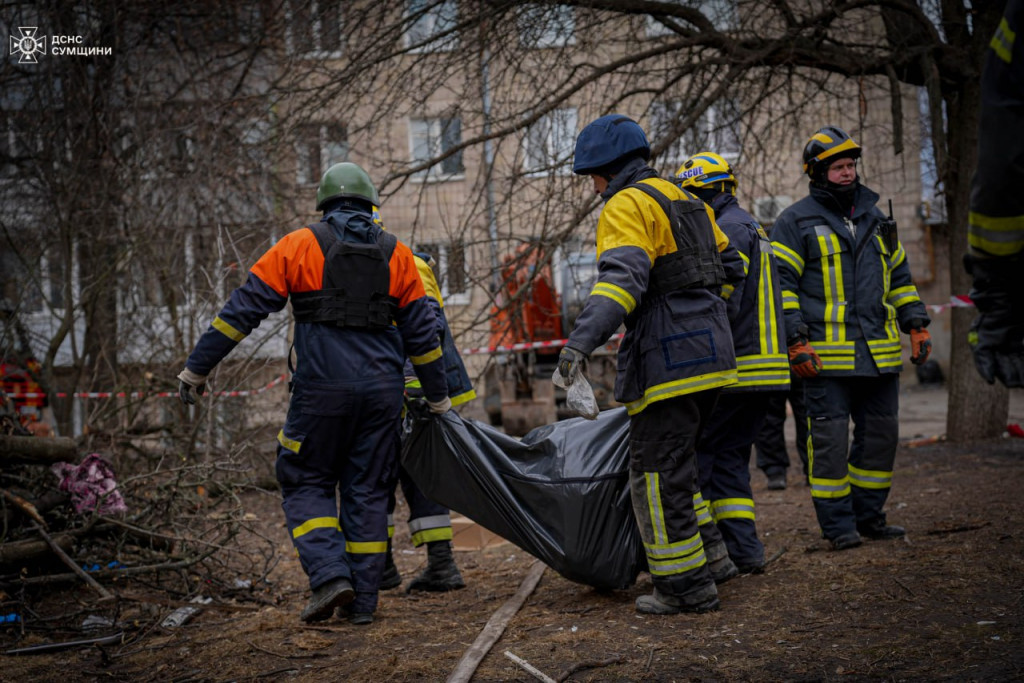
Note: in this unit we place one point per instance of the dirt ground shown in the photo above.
(944, 603)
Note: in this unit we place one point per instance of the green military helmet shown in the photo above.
(346, 180)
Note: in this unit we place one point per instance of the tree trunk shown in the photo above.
(975, 410)
(38, 450)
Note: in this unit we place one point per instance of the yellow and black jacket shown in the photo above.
(677, 337)
(755, 305)
(846, 282)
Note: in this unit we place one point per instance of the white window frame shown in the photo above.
(316, 29)
(713, 134)
(442, 255)
(427, 140)
(331, 145)
(438, 19)
(549, 143)
(558, 21)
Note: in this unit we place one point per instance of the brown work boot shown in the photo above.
(663, 603)
(441, 573)
(325, 598)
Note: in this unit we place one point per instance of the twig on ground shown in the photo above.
(903, 586)
(25, 506)
(958, 529)
(530, 668)
(496, 626)
(617, 659)
(777, 555)
(284, 656)
(104, 593)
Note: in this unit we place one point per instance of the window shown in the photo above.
(431, 25)
(721, 13)
(315, 27)
(541, 27)
(319, 147)
(450, 269)
(432, 138)
(717, 130)
(665, 117)
(549, 143)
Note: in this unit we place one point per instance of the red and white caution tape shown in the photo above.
(526, 346)
(955, 301)
(145, 394)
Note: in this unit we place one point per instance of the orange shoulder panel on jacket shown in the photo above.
(294, 264)
(406, 285)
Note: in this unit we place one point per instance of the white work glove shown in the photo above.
(440, 407)
(190, 384)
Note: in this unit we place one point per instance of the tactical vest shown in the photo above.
(356, 284)
(696, 261)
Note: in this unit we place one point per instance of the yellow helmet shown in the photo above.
(707, 170)
(829, 143)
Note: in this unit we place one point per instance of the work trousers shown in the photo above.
(337, 459)
(770, 444)
(428, 521)
(850, 482)
(663, 483)
(723, 461)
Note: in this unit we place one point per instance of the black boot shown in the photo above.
(391, 578)
(441, 573)
(878, 530)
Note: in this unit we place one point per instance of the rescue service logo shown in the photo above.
(690, 173)
(28, 44)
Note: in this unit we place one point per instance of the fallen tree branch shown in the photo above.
(55, 647)
(104, 593)
(957, 529)
(23, 505)
(496, 626)
(617, 659)
(530, 668)
(37, 450)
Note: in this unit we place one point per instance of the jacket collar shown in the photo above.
(634, 171)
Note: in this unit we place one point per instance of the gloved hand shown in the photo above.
(570, 364)
(998, 350)
(802, 358)
(190, 384)
(920, 345)
(440, 407)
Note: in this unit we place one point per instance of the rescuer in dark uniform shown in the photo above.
(360, 309)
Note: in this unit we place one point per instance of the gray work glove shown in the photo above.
(190, 384)
(440, 407)
(570, 364)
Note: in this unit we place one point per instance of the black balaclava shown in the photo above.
(845, 195)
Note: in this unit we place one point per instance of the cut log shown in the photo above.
(38, 450)
(22, 552)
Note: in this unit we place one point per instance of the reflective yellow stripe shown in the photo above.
(427, 357)
(317, 523)
(226, 329)
(727, 291)
(680, 387)
(664, 559)
(790, 301)
(832, 280)
(733, 508)
(431, 535)
(654, 509)
(462, 398)
(290, 444)
(366, 547)
(1003, 236)
(701, 509)
(766, 313)
(789, 256)
(870, 479)
(616, 294)
(830, 488)
(1002, 41)
(903, 295)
